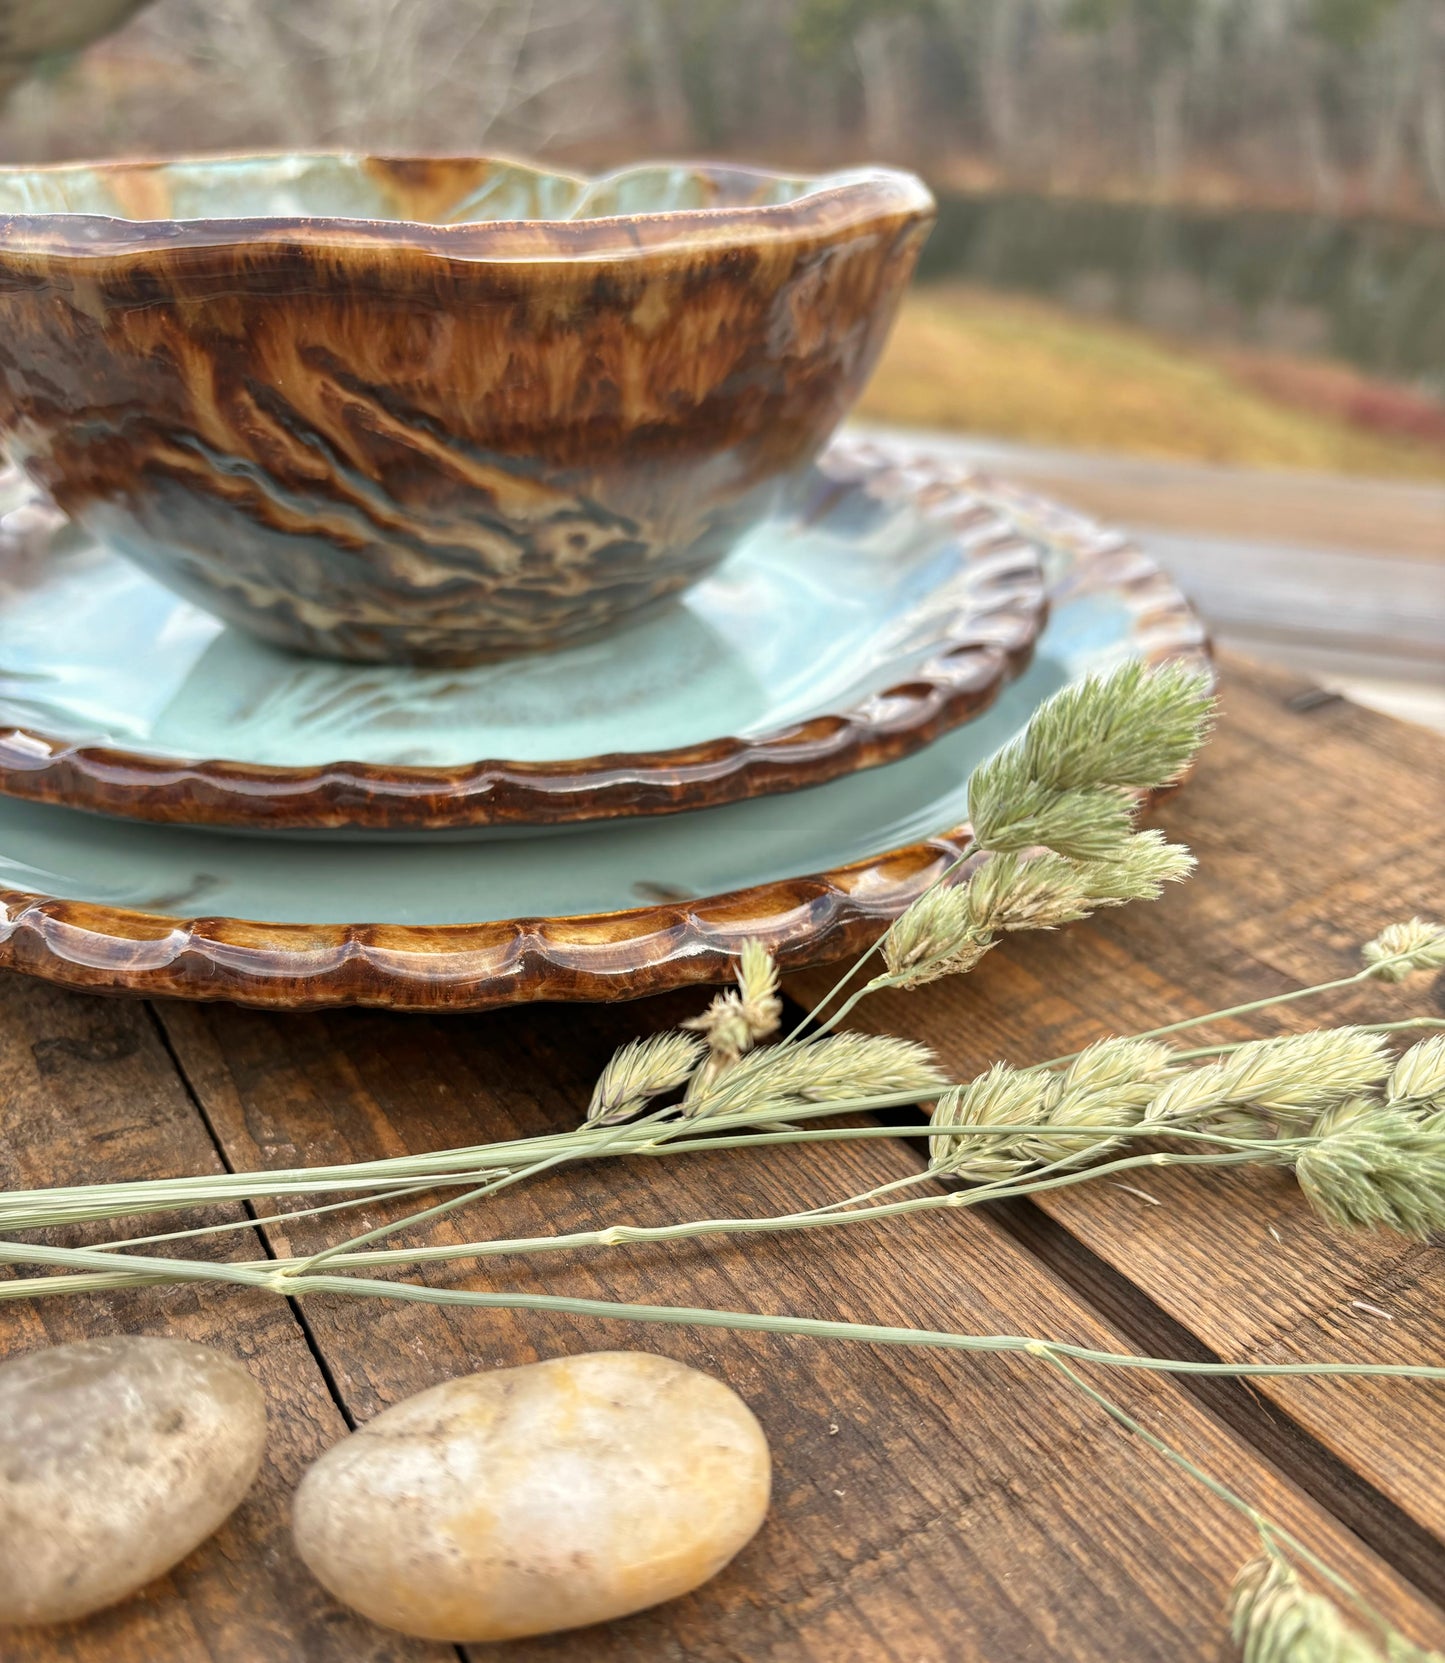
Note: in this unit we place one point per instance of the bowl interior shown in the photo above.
(455, 190)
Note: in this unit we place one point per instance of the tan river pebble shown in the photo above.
(536, 1498)
(117, 1457)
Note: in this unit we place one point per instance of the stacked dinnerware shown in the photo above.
(429, 583)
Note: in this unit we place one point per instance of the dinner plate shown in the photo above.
(625, 908)
(878, 608)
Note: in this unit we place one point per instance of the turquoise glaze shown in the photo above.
(800, 622)
(344, 186)
(57, 852)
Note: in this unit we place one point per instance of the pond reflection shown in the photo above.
(1364, 290)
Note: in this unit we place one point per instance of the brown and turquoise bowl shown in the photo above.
(434, 410)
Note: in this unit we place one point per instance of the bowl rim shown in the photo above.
(838, 202)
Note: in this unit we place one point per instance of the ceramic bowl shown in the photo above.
(434, 410)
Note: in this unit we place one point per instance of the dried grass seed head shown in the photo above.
(1137, 870)
(950, 927)
(1063, 787)
(1042, 890)
(937, 935)
(1417, 1081)
(1003, 1096)
(1136, 728)
(871, 1065)
(639, 1071)
(836, 1068)
(1009, 892)
(1133, 730)
(1128, 1065)
(1377, 1168)
(1275, 1619)
(1417, 944)
(1111, 1083)
(735, 1021)
(1288, 1081)
(757, 977)
(1084, 824)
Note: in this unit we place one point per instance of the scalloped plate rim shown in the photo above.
(808, 919)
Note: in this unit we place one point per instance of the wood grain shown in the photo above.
(89, 1093)
(925, 1507)
(1290, 506)
(1313, 830)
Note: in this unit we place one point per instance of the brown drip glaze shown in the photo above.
(390, 440)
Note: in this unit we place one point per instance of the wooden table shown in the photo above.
(927, 1506)
(1340, 578)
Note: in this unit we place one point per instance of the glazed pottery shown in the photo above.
(434, 410)
(611, 912)
(883, 606)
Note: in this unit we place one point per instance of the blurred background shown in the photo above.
(1189, 270)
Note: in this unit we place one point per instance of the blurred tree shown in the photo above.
(397, 74)
(991, 39)
(1279, 98)
(659, 57)
(1348, 25)
(823, 28)
(1162, 37)
(1342, 35)
(885, 40)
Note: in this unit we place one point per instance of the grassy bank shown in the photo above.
(975, 360)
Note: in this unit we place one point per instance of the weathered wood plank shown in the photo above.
(89, 1094)
(1314, 829)
(926, 1507)
(1367, 517)
(1343, 577)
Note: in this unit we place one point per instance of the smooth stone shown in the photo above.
(117, 1457)
(536, 1498)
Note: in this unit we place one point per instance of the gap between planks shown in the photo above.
(1401, 1541)
(263, 1240)
(351, 1085)
(1336, 804)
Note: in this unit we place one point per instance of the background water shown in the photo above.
(1369, 291)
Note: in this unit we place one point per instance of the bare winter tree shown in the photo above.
(1327, 100)
(381, 74)
(888, 49)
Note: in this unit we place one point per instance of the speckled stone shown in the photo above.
(117, 1457)
(536, 1498)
